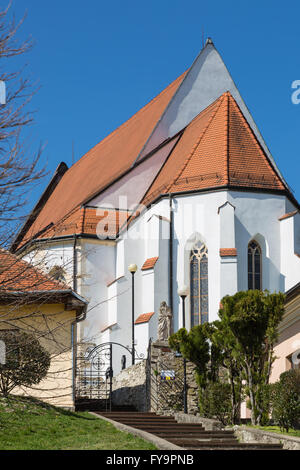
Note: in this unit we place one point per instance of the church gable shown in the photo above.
(206, 80)
(197, 134)
(217, 149)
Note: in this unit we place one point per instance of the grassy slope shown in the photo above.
(292, 432)
(29, 424)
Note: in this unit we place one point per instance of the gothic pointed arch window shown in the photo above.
(199, 284)
(254, 266)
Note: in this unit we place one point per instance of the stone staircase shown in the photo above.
(100, 405)
(189, 436)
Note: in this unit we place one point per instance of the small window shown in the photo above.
(254, 266)
(293, 360)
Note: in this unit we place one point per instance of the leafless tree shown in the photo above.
(19, 168)
(19, 171)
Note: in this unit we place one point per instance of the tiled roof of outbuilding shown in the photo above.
(17, 275)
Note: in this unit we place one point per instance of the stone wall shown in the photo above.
(129, 387)
(208, 424)
(141, 385)
(166, 396)
(248, 434)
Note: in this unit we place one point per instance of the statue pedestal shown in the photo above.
(162, 344)
(166, 396)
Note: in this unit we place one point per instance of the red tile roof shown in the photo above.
(289, 214)
(217, 149)
(143, 318)
(104, 162)
(149, 263)
(228, 252)
(84, 221)
(19, 276)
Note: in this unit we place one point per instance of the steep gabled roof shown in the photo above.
(204, 82)
(218, 148)
(204, 124)
(102, 164)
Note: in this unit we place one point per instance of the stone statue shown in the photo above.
(164, 322)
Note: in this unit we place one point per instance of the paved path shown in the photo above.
(188, 436)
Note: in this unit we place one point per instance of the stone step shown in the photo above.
(153, 422)
(190, 436)
(194, 435)
(131, 413)
(201, 431)
(125, 415)
(233, 447)
(222, 444)
(141, 417)
(192, 442)
(154, 430)
(146, 420)
(174, 425)
(90, 404)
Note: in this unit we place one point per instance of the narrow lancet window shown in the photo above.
(254, 266)
(199, 284)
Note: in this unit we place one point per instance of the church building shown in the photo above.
(187, 191)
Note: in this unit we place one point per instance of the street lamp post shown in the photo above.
(183, 293)
(132, 269)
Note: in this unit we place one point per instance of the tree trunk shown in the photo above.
(251, 394)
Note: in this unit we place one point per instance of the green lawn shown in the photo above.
(292, 432)
(27, 424)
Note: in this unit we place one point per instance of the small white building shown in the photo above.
(188, 191)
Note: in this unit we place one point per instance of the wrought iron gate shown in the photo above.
(163, 395)
(94, 375)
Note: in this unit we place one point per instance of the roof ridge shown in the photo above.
(220, 100)
(226, 138)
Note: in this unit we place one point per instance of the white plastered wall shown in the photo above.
(290, 248)
(54, 253)
(218, 219)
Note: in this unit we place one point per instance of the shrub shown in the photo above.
(285, 400)
(215, 402)
(27, 362)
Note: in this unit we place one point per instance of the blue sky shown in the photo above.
(98, 62)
